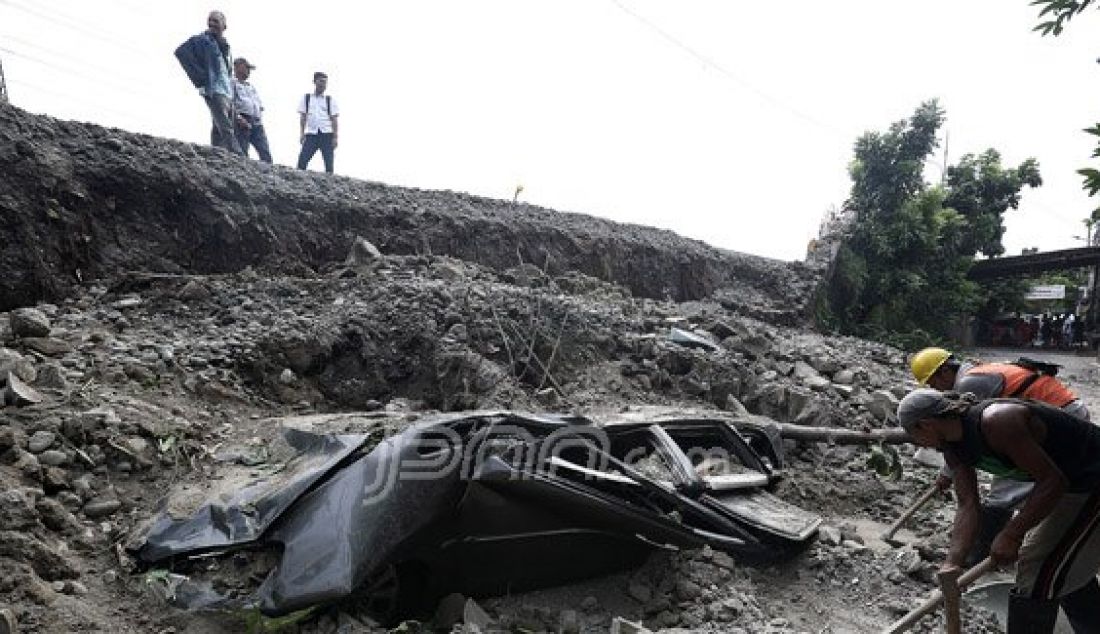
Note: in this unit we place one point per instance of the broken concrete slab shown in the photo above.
(362, 252)
(691, 339)
(193, 290)
(723, 330)
(883, 404)
(619, 625)
(12, 361)
(929, 457)
(803, 371)
(20, 394)
(49, 346)
(755, 346)
(51, 376)
(824, 363)
(101, 507)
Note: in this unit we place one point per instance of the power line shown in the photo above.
(65, 22)
(710, 63)
(78, 99)
(134, 8)
(69, 58)
(77, 74)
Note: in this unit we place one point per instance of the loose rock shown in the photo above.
(29, 322)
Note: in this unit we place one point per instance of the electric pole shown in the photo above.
(946, 146)
(3, 85)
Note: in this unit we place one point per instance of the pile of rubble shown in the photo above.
(159, 382)
(134, 376)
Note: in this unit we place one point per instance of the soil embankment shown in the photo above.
(164, 307)
(79, 202)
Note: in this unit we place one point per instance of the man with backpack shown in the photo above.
(1021, 379)
(318, 124)
(1024, 378)
(205, 59)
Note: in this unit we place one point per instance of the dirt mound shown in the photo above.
(192, 315)
(163, 383)
(79, 202)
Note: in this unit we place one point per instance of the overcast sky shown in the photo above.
(725, 120)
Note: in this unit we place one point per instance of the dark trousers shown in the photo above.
(255, 137)
(313, 142)
(222, 134)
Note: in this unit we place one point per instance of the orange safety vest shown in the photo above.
(1036, 386)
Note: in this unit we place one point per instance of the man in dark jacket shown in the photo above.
(205, 59)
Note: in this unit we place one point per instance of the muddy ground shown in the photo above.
(165, 365)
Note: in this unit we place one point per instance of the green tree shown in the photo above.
(1056, 13)
(981, 190)
(1053, 16)
(902, 271)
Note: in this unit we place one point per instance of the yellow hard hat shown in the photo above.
(925, 363)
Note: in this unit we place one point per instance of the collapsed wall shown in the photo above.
(80, 202)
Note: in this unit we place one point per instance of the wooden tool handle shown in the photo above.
(949, 586)
(934, 599)
(921, 501)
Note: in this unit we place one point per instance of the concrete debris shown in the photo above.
(475, 619)
(929, 457)
(49, 346)
(101, 507)
(829, 535)
(126, 303)
(175, 384)
(620, 625)
(29, 322)
(41, 441)
(362, 252)
(691, 339)
(193, 290)
(883, 405)
(22, 367)
(18, 393)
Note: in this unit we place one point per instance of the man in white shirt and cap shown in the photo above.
(246, 101)
(318, 127)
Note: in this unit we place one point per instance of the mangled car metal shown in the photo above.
(484, 503)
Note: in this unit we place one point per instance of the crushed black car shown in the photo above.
(484, 503)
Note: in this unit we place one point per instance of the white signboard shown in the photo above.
(1053, 291)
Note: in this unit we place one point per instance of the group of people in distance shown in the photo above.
(1064, 331)
(236, 111)
(1020, 424)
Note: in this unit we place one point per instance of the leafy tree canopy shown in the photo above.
(1054, 14)
(903, 268)
(981, 190)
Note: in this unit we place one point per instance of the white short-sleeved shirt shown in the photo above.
(318, 117)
